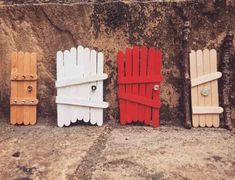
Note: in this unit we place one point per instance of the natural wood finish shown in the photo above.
(206, 78)
(204, 88)
(193, 73)
(201, 101)
(23, 77)
(14, 69)
(207, 99)
(214, 87)
(207, 110)
(24, 101)
(23, 92)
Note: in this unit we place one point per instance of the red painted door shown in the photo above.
(139, 77)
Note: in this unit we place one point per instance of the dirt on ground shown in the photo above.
(114, 152)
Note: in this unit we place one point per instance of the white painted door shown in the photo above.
(80, 86)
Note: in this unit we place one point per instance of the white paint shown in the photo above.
(77, 71)
(78, 80)
(80, 102)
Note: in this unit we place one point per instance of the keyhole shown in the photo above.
(93, 88)
(30, 88)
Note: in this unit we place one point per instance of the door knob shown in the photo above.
(30, 88)
(93, 88)
(156, 87)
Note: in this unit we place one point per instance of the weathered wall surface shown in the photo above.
(108, 27)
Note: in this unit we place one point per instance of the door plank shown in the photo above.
(67, 72)
(81, 88)
(201, 101)
(142, 86)
(135, 87)
(20, 87)
(14, 90)
(100, 69)
(156, 93)
(33, 70)
(214, 87)
(60, 91)
(207, 99)
(26, 94)
(194, 90)
(121, 88)
(85, 92)
(149, 89)
(128, 86)
(72, 90)
(94, 95)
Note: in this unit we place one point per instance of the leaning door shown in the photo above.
(80, 86)
(23, 99)
(204, 88)
(139, 77)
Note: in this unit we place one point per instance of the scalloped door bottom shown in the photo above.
(80, 86)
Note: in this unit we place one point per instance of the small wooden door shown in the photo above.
(23, 99)
(80, 86)
(139, 77)
(204, 88)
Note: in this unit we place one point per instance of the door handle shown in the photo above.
(30, 88)
(93, 88)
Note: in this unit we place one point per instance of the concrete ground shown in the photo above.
(45, 151)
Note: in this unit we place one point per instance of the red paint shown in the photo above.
(121, 87)
(139, 69)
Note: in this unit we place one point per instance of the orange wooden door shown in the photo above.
(23, 99)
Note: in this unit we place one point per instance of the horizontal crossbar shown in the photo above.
(135, 80)
(140, 100)
(23, 77)
(205, 78)
(79, 102)
(78, 80)
(24, 102)
(206, 110)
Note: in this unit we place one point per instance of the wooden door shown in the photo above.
(204, 88)
(80, 86)
(139, 77)
(23, 98)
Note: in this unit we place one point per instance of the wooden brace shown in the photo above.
(79, 102)
(205, 78)
(76, 81)
(135, 80)
(23, 77)
(206, 110)
(24, 101)
(140, 100)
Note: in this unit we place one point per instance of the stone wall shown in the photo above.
(108, 27)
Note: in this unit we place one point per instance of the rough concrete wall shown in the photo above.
(109, 27)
